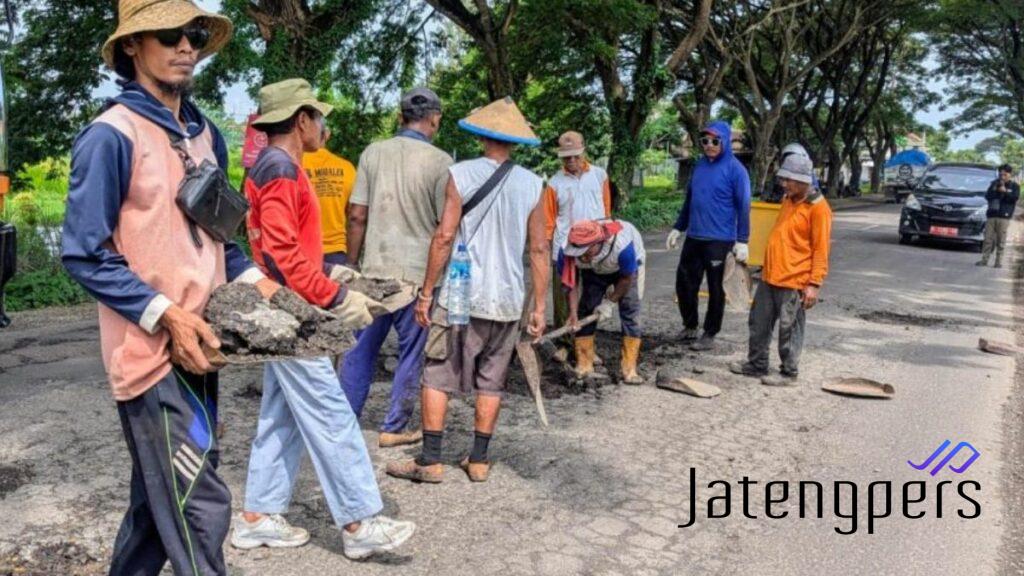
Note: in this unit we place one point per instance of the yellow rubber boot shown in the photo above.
(630, 357)
(584, 356)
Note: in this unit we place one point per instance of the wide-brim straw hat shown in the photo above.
(281, 100)
(500, 120)
(135, 16)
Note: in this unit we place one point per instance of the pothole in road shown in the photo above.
(898, 319)
(13, 477)
(59, 558)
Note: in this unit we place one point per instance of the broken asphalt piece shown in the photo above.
(994, 347)
(861, 387)
(677, 383)
(253, 330)
(376, 288)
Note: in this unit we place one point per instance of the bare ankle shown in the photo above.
(251, 517)
(353, 527)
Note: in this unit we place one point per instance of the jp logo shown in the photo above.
(957, 469)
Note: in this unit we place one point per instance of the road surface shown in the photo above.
(604, 489)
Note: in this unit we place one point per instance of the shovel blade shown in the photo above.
(531, 368)
(862, 387)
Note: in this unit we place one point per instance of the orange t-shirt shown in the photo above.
(798, 245)
(333, 178)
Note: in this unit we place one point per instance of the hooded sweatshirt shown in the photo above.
(126, 242)
(717, 205)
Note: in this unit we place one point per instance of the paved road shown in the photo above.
(603, 490)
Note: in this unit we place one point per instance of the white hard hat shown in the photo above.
(795, 148)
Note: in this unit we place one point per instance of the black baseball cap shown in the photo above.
(420, 100)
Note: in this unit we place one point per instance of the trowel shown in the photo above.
(531, 365)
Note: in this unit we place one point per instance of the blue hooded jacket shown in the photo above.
(717, 205)
(101, 167)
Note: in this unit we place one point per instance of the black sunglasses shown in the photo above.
(198, 36)
(709, 141)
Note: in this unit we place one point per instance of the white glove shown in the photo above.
(358, 310)
(741, 251)
(673, 239)
(604, 310)
(343, 274)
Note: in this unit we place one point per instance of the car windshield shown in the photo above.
(959, 180)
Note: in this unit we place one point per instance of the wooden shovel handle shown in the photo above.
(569, 329)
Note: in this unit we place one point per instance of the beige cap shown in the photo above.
(134, 16)
(571, 144)
(281, 100)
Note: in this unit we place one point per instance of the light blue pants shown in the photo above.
(303, 407)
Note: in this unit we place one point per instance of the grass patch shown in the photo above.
(654, 206)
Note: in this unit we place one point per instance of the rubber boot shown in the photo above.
(630, 357)
(584, 356)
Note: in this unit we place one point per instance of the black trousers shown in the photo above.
(700, 258)
(180, 509)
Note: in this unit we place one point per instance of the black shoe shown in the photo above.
(746, 369)
(704, 344)
(981, 263)
(998, 264)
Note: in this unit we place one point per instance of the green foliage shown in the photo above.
(981, 47)
(41, 289)
(51, 72)
(654, 206)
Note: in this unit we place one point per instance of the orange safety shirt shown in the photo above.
(797, 251)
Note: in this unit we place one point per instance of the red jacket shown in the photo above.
(284, 227)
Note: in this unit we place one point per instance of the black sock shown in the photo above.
(431, 453)
(480, 442)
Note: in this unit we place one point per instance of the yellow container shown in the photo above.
(762, 219)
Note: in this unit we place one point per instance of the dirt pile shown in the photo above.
(252, 329)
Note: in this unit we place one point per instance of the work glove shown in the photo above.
(605, 309)
(741, 251)
(673, 239)
(343, 274)
(357, 310)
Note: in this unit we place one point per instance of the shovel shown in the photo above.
(531, 365)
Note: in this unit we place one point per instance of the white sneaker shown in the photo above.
(271, 530)
(377, 534)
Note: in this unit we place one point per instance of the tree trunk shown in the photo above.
(855, 170)
(624, 157)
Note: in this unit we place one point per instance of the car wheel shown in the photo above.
(905, 238)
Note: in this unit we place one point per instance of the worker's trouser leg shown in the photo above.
(701, 258)
(771, 305)
(792, 319)
(560, 304)
(180, 509)
(304, 408)
(995, 238)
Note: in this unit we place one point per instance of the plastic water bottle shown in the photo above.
(458, 287)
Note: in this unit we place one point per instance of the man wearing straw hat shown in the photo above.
(129, 245)
(795, 266)
(494, 228)
(303, 406)
(579, 191)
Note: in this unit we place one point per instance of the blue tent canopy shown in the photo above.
(912, 157)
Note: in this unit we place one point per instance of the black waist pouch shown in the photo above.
(207, 198)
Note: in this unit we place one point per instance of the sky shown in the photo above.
(238, 103)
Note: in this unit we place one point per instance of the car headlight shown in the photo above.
(912, 203)
(979, 214)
